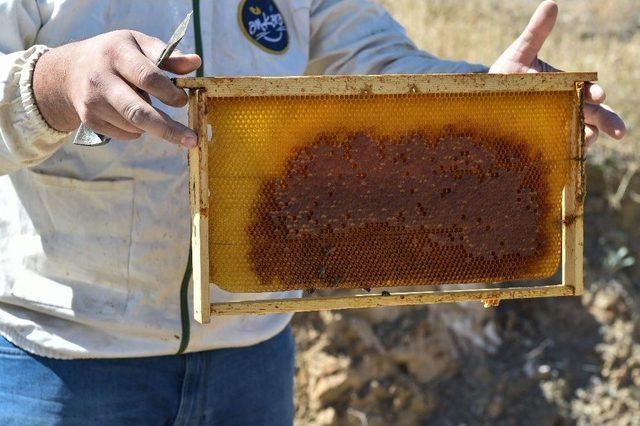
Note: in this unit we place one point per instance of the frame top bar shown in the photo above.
(389, 84)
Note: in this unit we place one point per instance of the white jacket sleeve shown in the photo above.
(25, 137)
(360, 37)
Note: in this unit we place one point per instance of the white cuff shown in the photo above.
(34, 119)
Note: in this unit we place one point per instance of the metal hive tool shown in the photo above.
(372, 182)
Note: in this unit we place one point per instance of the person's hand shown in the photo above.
(522, 56)
(97, 82)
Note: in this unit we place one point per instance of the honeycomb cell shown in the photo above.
(367, 191)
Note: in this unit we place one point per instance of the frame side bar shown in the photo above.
(573, 202)
(385, 84)
(199, 201)
(393, 299)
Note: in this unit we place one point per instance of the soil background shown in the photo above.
(539, 362)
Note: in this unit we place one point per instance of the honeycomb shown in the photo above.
(386, 190)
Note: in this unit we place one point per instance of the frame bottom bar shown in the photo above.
(490, 297)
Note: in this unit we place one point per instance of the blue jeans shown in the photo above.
(238, 386)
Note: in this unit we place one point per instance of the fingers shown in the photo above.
(133, 108)
(605, 119)
(177, 63)
(111, 116)
(526, 47)
(591, 134)
(138, 70)
(98, 115)
(594, 94)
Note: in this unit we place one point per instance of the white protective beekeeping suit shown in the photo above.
(94, 241)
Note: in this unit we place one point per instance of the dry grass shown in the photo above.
(590, 35)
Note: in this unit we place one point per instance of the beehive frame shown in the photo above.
(201, 90)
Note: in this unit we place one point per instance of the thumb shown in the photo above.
(526, 47)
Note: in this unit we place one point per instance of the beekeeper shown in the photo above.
(94, 242)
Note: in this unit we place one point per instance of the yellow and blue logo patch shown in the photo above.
(263, 24)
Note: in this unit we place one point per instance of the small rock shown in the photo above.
(326, 417)
(544, 372)
(330, 389)
(423, 404)
(495, 408)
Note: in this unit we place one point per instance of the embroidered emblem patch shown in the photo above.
(263, 24)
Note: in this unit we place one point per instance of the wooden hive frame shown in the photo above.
(202, 89)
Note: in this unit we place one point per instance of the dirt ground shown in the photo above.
(542, 362)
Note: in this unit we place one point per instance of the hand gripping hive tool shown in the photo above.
(87, 137)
